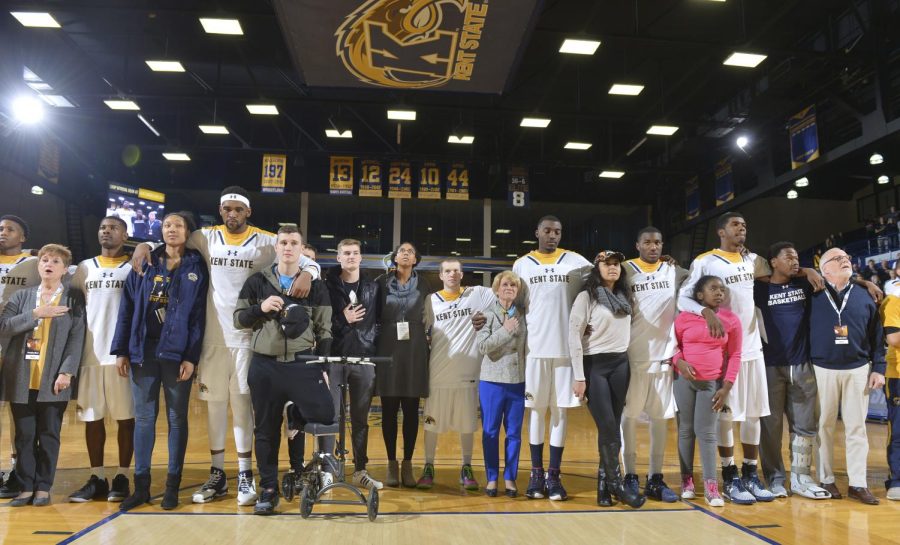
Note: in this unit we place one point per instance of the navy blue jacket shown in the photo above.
(182, 332)
(865, 335)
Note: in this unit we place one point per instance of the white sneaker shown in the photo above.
(778, 490)
(362, 478)
(805, 486)
(215, 486)
(327, 479)
(893, 493)
(246, 489)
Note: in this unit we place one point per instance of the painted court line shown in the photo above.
(734, 524)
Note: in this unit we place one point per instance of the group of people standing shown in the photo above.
(737, 338)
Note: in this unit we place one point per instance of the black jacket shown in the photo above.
(357, 339)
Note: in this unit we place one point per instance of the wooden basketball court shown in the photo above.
(447, 514)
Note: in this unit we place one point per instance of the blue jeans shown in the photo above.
(146, 380)
(501, 403)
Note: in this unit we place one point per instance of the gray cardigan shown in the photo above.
(504, 352)
(64, 356)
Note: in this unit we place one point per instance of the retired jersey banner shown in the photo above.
(518, 187)
(724, 182)
(370, 178)
(458, 182)
(804, 137)
(274, 169)
(340, 175)
(399, 180)
(692, 198)
(448, 45)
(429, 181)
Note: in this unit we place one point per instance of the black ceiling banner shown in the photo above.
(447, 45)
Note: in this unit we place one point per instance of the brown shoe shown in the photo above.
(863, 495)
(832, 489)
(407, 476)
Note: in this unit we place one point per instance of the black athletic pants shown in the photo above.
(607, 377)
(390, 409)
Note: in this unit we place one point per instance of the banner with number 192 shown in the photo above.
(274, 172)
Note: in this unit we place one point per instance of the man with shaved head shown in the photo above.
(847, 351)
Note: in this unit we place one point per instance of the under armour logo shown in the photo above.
(742, 268)
(528, 396)
(429, 420)
(232, 252)
(549, 269)
(106, 275)
(651, 277)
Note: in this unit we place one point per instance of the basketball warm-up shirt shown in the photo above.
(232, 259)
(455, 360)
(17, 272)
(654, 289)
(737, 272)
(551, 282)
(102, 280)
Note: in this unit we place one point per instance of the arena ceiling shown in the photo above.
(841, 56)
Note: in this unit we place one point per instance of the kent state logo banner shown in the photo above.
(451, 45)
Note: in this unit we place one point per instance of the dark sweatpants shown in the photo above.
(361, 382)
(37, 441)
(272, 384)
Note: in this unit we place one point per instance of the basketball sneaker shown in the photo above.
(215, 486)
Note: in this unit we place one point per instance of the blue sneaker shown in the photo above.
(734, 490)
(657, 489)
(537, 484)
(750, 478)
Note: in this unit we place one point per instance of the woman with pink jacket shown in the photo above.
(707, 367)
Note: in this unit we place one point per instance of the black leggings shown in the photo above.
(607, 377)
(390, 408)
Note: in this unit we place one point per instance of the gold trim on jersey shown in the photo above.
(111, 262)
(13, 259)
(239, 239)
(731, 257)
(644, 266)
(547, 259)
(448, 296)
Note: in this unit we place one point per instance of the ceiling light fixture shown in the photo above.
(27, 110)
(165, 66)
(213, 129)
(122, 105)
(262, 109)
(883, 180)
(35, 19)
(334, 133)
(626, 89)
(744, 60)
(578, 145)
(802, 182)
(535, 122)
(453, 139)
(876, 159)
(792, 194)
(502, 231)
(612, 174)
(57, 101)
(176, 156)
(148, 124)
(402, 115)
(662, 130)
(222, 26)
(579, 47)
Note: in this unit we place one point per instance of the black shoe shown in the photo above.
(21, 502)
(604, 498)
(490, 492)
(95, 489)
(610, 457)
(43, 501)
(267, 502)
(170, 497)
(120, 489)
(12, 487)
(657, 489)
(555, 490)
(537, 485)
(632, 483)
(141, 493)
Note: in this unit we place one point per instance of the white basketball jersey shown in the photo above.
(17, 272)
(551, 283)
(232, 259)
(655, 303)
(892, 287)
(737, 273)
(455, 360)
(102, 280)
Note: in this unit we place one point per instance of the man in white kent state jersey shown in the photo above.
(233, 251)
(551, 278)
(454, 367)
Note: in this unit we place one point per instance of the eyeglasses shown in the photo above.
(406, 251)
(838, 258)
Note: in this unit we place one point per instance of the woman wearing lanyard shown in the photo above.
(158, 337)
(404, 380)
(46, 329)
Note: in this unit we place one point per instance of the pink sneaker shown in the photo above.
(711, 493)
(687, 487)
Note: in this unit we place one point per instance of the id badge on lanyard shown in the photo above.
(403, 331)
(841, 333)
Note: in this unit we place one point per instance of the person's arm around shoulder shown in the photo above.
(686, 302)
(73, 350)
(122, 335)
(578, 321)
(875, 333)
(321, 318)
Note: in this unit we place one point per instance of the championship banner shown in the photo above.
(458, 182)
(399, 180)
(429, 181)
(340, 175)
(447, 45)
(724, 182)
(804, 137)
(518, 188)
(274, 172)
(370, 178)
(692, 198)
(48, 161)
